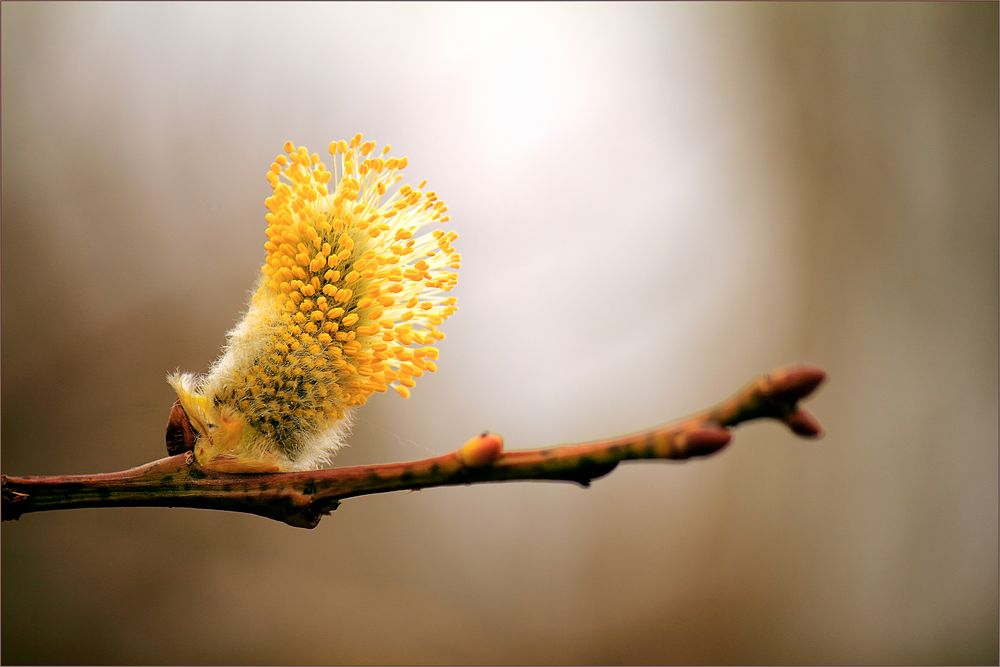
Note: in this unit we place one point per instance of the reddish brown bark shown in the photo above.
(303, 498)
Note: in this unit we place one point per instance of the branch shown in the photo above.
(303, 498)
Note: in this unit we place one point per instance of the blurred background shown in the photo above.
(655, 202)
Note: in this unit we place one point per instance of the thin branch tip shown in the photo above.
(796, 382)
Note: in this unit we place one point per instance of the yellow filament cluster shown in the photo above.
(355, 284)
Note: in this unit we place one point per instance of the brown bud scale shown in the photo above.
(180, 435)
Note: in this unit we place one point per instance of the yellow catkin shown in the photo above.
(351, 252)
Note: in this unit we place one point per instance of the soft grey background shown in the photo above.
(655, 202)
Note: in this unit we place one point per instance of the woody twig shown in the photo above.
(302, 499)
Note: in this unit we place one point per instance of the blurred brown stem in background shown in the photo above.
(303, 498)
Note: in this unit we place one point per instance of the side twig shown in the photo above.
(303, 498)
